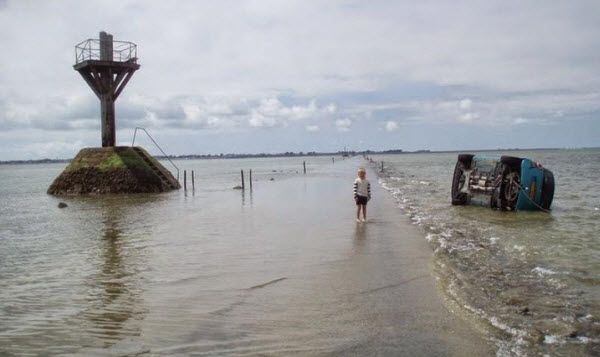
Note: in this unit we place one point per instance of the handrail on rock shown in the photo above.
(159, 148)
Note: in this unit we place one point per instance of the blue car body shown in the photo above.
(504, 183)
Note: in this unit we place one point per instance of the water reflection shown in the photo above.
(360, 236)
(115, 302)
(243, 193)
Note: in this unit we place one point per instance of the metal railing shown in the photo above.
(159, 148)
(122, 51)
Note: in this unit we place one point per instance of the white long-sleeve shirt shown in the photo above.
(362, 188)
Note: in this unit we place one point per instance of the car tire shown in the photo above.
(511, 161)
(466, 159)
(547, 189)
(459, 198)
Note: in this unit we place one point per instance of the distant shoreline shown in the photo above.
(294, 154)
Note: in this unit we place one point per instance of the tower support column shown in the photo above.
(107, 108)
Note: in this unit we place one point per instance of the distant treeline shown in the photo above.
(41, 161)
(224, 156)
(283, 154)
(286, 154)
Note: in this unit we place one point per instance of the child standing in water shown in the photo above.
(362, 194)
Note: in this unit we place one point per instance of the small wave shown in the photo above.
(543, 271)
(429, 237)
(554, 339)
(519, 248)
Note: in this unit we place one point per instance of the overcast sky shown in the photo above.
(274, 76)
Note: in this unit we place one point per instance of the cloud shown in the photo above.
(468, 117)
(343, 124)
(259, 120)
(465, 104)
(519, 121)
(219, 113)
(267, 67)
(391, 126)
(312, 128)
(272, 112)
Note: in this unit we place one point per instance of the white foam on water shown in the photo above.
(429, 237)
(494, 240)
(564, 318)
(508, 349)
(519, 248)
(553, 340)
(543, 271)
(469, 246)
(596, 209)
(443, 244)
(583, 339)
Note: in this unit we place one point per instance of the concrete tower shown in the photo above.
(106, 66)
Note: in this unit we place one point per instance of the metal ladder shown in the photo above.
(163, 177)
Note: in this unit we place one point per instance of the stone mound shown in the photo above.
(113, 170)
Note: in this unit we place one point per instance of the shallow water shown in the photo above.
(281, 270)
(79, 277)
(534, 277)
(218, 271)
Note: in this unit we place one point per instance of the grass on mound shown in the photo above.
(114, 161)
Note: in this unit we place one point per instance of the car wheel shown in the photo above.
(466, 159)
(458, 182)
(511, 161)
(547, 189)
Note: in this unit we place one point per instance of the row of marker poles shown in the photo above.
(185, 181)
(371, 161)
(242, 175)
(249, 177)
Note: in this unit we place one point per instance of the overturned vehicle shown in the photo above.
(503, 183)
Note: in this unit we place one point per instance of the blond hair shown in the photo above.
(362, 169)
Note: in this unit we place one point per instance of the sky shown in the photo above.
(273, 76)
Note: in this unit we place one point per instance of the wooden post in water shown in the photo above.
(333, 160)
(184, 180)
(193, 187)
(304, 164)
(381, 165)
(243, 186)
(250, 178)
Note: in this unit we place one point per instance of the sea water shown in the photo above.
(534, 277)
(115, 274)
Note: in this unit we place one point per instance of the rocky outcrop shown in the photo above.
(113, 170)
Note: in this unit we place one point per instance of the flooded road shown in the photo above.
(281, 270)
